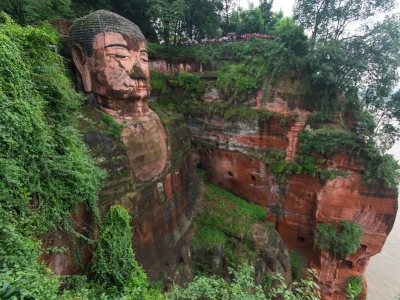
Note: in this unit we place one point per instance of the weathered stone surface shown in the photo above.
(264, 249)
(65, 262)
(171, 67)
(224, 153)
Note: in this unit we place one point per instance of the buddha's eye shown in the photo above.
(119, 56)
(144, 56)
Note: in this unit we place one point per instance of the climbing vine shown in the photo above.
(114, 261)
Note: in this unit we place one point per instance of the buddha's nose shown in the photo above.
(137, 73)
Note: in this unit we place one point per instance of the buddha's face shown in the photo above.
(118, 68)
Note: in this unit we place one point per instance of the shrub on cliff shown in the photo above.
(242, 286)
(354, 287)
(341, 240)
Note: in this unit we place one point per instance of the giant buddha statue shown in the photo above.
(150, 170)
(110, 54)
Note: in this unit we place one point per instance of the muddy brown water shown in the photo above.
(383, 272)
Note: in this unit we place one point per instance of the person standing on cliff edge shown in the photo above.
(110, 54)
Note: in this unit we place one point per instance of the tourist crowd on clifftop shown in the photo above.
(226, 39)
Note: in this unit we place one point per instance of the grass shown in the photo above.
(225, 215)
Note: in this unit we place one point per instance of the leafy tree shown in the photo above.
(250, 20)
(353, 57)
(202, 19)
(29, 11)
(266, 13)
(293, 44)
(385, 114)
(227, 11)
(181, 19)
(331, 19)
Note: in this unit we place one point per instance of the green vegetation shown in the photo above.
(115, 268)
(226, 216)
(353, 287)
(326, 142)
(297, 263)
(114, 260)
(223, 110)
(341, 62)
(341, 240)
(275, 160)
(242, 286)
(170, 52)
(46, 170)
(242, 66)
(184, 85)
(114, 129)
(381, 166)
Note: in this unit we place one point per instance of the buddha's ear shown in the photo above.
(81, 62)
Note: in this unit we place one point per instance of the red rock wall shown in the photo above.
(166, 67)
(306, 200)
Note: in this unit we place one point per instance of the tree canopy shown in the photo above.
(354, 56)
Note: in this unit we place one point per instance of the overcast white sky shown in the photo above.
(285, 5)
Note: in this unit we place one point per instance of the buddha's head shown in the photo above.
(110, 53)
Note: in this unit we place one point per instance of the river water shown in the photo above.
(383, 272)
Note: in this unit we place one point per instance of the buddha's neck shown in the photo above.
(123, 108)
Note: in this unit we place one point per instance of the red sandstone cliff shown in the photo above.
(224, 150)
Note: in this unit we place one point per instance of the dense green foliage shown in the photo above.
(114, 261)
(354, 287)
(354, 57)
(170, 21)
(381, 166)
(242, 286)
(230, 216)
(341, 240)
(324, 143)
(114, 266)
(46, 170)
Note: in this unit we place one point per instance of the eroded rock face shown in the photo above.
(224, 150)
(267, 253)
(72, 248)
(167, 67)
